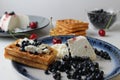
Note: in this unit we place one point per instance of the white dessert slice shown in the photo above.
(8, 22)
(62, 50)
(23, 21)
(79, 46)
(11, 22)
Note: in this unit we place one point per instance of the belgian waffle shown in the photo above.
(41, 61)
(69, 27)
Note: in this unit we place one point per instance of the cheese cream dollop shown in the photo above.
(34, 46)
(39, 49)
(62, 50)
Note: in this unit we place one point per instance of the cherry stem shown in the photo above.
(108, 24)
(51, 24)
(13, 34)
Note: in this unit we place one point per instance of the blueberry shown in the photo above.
(86, 58)
(92, 69)
(67, 71)
(89, 78)
(61, 68)
(24, 43)
(101, 73)
(53, 70)
(96, 65)
(78, 77)
(96, 70)
(79, 66)
(35, 53)
(35, 44)
(57, 63)
(74, 75)
(17, 45)
(22, 49)
(6, 12)
(31, 52)
(102, 54)
(75, 64)
(23, 70)
(99, 76)
(65, 58)
(79, 71)
(69, 76)
(47, 72)
(84, 71)
(35, 40)
(66, 44)
(57, 76)
(39, 42)
(12, 13)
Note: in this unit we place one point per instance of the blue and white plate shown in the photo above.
(111, 67)
(42, 22)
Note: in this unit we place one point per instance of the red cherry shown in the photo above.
(57, 41)
(33, 25)
(102, 32)
(33, 36)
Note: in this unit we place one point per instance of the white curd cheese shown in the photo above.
(21, 40)
(62, 50)
(79, 46)
(42, 46)
(30, 48)
(23, 21)
(31, 41)
(11, 22)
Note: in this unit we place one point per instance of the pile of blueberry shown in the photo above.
(100, 18)
(102, 54)
(27, 42)
(76, 68)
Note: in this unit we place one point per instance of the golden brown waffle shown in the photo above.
(41, 61)
(70, 30)
(69, 27)
(60, 32)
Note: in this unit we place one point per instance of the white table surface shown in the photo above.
(7, 72)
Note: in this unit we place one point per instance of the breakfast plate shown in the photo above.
(42, 22)
(110, 67)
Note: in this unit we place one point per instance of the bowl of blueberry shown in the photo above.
(102, 19)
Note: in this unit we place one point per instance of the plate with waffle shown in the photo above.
(39, 59)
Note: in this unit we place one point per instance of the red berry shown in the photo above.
(102, 32)
(33, 36)
(57, 41)
(33, 25)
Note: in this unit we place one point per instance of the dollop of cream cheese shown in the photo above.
(62, 50)
(42, 48)
(21, 40)
(30, 48)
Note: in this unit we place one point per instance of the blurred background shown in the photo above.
(58, 9)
